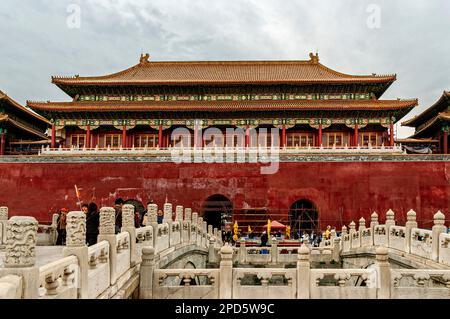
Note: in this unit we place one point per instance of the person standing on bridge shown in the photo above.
(92, 224)
(61, 227)
(118, 207)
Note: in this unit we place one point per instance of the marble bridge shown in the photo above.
(185, 258)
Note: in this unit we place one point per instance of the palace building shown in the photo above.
(311, 104)
(432, 127)
(21, 130)
(333, 132)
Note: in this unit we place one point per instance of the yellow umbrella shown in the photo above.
(249, 229)
(268, 227)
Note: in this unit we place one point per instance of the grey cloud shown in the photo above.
(412, 41)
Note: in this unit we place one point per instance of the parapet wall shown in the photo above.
(341, 190)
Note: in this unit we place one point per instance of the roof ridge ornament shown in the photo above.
(314, 58)
(145, 58)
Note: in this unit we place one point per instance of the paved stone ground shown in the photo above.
(44, 255)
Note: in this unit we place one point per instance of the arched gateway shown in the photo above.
(218, 211)
(303, 216)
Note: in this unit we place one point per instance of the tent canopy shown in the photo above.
(276, 225)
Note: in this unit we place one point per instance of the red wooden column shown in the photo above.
(124, 136)
(391, 134)
(160, 137)
(195, 136)
(2, 144)
(320, 136)
(53, 145)
(445, 142)
(247, 136)
(356, 135)
(88, 137)
(283, 136)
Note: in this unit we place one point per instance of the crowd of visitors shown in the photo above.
(93, 220)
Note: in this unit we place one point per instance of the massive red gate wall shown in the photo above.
(342, 191)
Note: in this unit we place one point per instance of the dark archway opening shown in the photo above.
(218, 212)
(303, 216)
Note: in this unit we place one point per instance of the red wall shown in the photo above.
(341, 190)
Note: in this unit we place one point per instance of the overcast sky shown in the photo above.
(40, 38)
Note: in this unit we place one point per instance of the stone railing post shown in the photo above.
(107, 232)
(242, 253)
(146, 273)
(373, 222)
(274, 250)
(168, 214)
(336, 254)
(390, 221)
(179, 214)
(76, 246)
(343, 231)
(351, 230)
(193, 233)
(205, 241)
(226, 272)
(20, 259)
(128, 225)
(200, 231)
(410, 224)
(188, 214)
(303, 273)
(384, 275)
(362, 224)
(438, 228)
(152, 210)
(212, 257)
(3, 224)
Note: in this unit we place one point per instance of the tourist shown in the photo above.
(264, 239)
(61, 227)
(144, 214)
(118, 208)
(92, 224)
(85, 208)
(160, 217)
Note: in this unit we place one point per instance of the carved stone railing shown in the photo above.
(99, 270)
(59, 279)
(186, 284)
(428, 244)
(343, 284)
(266, 283)
(105, 270)
(11, 287)
(444, 249)
(420, 284)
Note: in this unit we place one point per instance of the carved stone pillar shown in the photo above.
(168, 213)
(76, 246)
(3, 223)
(226, 272)
(179, 214)
(390, 221)
(303, 272)
(410, 224)
(20, 259)
(382, 260)
(146, 273)
(128, 225)
(188, 214)
(107, 232)
(152, 211)
(438, 228)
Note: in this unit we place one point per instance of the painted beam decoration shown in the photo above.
(242, 123)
